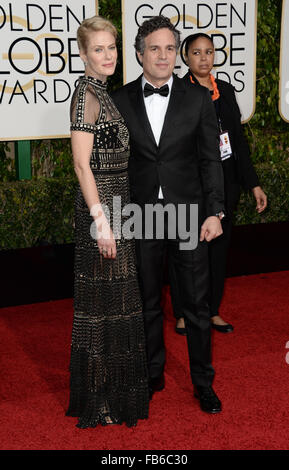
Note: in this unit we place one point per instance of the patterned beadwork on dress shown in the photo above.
(108, 357)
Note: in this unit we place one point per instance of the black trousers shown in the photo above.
(218, 254)
(192, 279)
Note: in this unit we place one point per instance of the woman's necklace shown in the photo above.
(216, 93)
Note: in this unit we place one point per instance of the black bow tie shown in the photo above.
(149, 90)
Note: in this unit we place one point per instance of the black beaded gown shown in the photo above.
(108, 372)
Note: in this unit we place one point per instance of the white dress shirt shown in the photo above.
(156, 108)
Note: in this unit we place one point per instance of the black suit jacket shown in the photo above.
(186, 174)
(231, 122)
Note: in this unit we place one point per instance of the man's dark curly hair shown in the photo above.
(154, 24)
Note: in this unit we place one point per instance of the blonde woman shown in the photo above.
(108, 359)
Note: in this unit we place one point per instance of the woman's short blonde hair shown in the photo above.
(96, 23)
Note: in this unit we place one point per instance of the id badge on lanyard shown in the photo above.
(225, 144)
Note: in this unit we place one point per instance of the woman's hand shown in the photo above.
(104, 235)
(105, 240)
(107, 246)
(261, 198)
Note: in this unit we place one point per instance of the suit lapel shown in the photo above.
(137, 101)
(174, 106)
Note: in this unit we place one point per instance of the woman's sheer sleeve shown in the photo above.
(84, 109)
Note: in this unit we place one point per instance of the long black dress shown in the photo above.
(108, 358)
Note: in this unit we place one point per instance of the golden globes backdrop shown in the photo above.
(284, 64)
(39, 65)
(232, 25)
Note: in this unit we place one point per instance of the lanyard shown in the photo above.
(217, 108)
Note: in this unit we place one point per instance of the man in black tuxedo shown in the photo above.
(174, 159)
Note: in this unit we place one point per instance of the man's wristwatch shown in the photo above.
(220, 215)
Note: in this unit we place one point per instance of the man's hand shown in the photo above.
(211, 228)
(260, 197)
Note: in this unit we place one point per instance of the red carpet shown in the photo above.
(252, 379)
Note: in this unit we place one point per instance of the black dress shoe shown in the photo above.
(228, 328)
(181, 331)
(209, 401)
(156, 384)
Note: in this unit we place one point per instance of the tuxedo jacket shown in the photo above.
(186, 163)
(231, 121)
